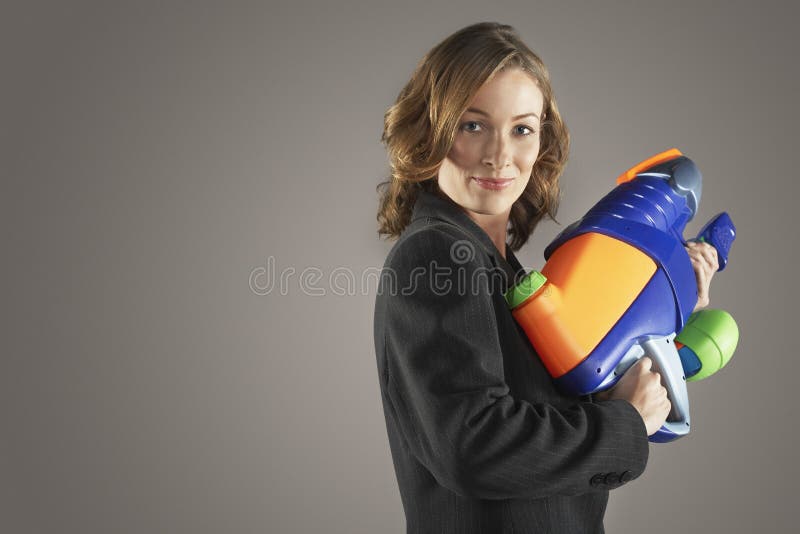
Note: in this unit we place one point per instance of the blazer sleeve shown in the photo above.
(445, 381)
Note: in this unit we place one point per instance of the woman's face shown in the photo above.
(497, 138)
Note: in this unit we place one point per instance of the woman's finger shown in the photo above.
(706, 256)
(708, 253)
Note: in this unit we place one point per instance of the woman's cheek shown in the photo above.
(530, 159)
(464, 151)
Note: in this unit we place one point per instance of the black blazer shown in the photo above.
(480, 439)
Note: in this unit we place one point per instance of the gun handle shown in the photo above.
(667, 362)
(720, 233)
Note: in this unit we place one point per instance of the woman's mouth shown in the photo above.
(494, 184)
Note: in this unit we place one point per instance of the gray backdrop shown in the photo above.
(165, 165)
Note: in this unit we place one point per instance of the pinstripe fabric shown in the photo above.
(481, 440)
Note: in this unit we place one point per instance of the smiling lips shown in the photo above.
(494, 184)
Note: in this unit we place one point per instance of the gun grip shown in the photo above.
(667, 362)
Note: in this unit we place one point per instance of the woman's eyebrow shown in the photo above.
(481, 112)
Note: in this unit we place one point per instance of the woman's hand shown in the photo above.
(641, 386)
(705, 263)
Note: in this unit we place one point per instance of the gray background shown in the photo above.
(154, 156)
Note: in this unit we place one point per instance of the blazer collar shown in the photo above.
(443, 208)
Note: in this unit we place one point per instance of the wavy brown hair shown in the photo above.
(420, 127)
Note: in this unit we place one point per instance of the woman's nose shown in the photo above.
(497, 154)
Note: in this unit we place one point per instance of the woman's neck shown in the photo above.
(495, 226)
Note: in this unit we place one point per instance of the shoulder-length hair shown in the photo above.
(420, 127)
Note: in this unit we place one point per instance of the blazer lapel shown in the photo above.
(440, 207)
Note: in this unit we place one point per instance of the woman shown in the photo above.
(480, 438)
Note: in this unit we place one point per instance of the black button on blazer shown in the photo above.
(481, 440)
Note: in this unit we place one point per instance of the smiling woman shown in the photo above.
(481, 439)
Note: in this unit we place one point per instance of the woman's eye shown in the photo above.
(475, 127)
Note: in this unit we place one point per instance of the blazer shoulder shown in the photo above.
(434, 240)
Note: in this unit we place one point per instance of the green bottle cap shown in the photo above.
(529, 285)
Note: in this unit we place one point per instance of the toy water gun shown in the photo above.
(618, 285)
